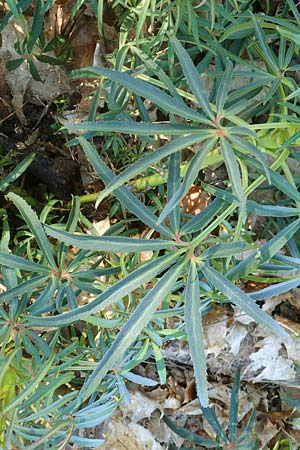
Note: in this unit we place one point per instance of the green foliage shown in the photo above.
(81, 311)
(245, 441)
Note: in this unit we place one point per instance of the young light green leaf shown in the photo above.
(193, 77)
(35, 226)
(17, 402)
(160, 363)
(194, 332)
(240, 299)
(130, 331)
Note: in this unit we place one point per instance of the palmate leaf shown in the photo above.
(35, 226)
(108, 243)
(130, 331)
(112, 295)
(240, 299)
(194, 332)
(143, 89)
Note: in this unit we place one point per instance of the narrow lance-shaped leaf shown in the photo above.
(17, 171)
(265, 253)
(130, 331)
(142, 88)
(145, 162)
(190, 436)
(193, 77)
(226, 249)
(234, 407)
(129, 200)
(138, 128)
(35, 226)
(173, 186)
(234, 174)
(224, 87)
(240, 299)
(37, 25)
(112, 295)
(31, 387)
(249, 147)
(17, 262)
(194, 332)
(25, 287)
(192, 173)
(265, 48)
(108, 243)
(70, 227)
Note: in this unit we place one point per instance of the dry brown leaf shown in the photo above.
(195, 200)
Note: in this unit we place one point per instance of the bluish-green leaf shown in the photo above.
(146, 162)
(192, 173)
(234, 174)
(17, 262)
(265, 253)
(17, 171)
(193, 77)
(138, 128)
(226, 249)
(142, 88)
(108, 243)
(112, 295)
(130, 331)
(129, 200)
(194, 332)
(35, 226)
(240, 299)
